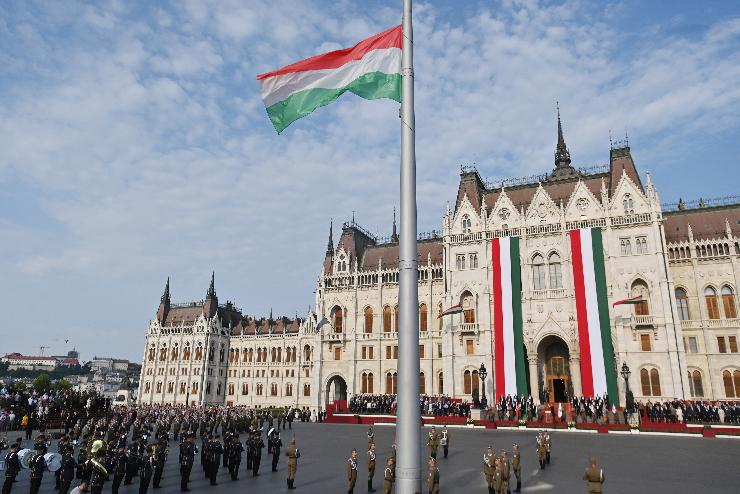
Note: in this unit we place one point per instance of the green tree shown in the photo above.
(61, 385)
(42, 383)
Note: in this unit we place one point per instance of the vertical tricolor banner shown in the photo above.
(598, 374)
(509, 358)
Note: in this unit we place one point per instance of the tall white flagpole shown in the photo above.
(408, 414)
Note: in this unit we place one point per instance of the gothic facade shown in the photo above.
(680, 340)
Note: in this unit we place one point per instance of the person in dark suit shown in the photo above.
(67, 472)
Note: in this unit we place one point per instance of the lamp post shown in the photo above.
(483, 374)
(628, 400)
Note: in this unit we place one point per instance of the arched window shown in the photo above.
(163, 353)
(306, 389)
(710, 296)
(650, 382)
(628, 204)
(199, 353)
(639, 288)
(245, 389)
(696, 385)
(395, 319)
(423, 317)
(422, 384)
(342, 263)
(147, 387)
(390, 382)
(386, 319)
(728, 302)
(194, 388)
(556, 272)
(151, 354)
(440, 383)
(338, 319)
(732, 386)
(367, 382)
(186, 352)
(538, 272)
(368, 319)
(279, 354)
(175, 353)
(159, 387)
(467, 386)
(289, 389)
(273, 354)
(682, 302)
(466, 224)
(307, 353)
(468, 304)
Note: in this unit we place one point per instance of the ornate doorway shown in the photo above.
(336, 389)
(555, 380)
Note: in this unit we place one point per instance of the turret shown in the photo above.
(210, 304)
(563, 168)
(164, 303)
(394, 235)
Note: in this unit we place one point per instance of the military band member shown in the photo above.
(82, 459)
(132, 459)
(370, 467)
(433, 477)
(205, 451)
(277, 443)
(388, 476)
(541, 451)
(160, 457)
(186, 460)
(12, 467)
(293, 454)
(67, 471)
(351, 471)
(120, 463)
(146, 468)
(37, 466)
(445, 440)
(489, 468)
(215, 450)
(594, 476)
(257, 445)
(516, 464)
(370, 437)
(433, 443)
(235, 456)
(96, 469)
(548, 446)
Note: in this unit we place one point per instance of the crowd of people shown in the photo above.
(695, 412)
(436, 406)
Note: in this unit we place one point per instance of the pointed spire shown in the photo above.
(330, 246)
(394, 235)
(681, 204)
(728, 228)
(166, 295)
(270, 313)
(562, 155)
(212, 288)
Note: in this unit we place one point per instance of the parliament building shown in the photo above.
(681, 262)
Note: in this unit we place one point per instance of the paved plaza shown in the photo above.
(632, 464)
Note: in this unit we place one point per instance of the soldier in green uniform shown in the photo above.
(370, 467)
(370, 437)
(548, 447)
(433, 477)
(594, 476)
(505, 471)
(433, 443)
(388, 477)
(516, 464)
(351, 471)
(541, 451)
(498, 477)
(489, 468)
(293, 454)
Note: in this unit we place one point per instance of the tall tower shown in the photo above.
(164, 303)
(563, 168)
(210, 305)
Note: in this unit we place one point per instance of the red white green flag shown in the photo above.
(371, 69)
(598, 371)
(509, 358)
(455, 309)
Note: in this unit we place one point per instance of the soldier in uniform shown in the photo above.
(132, 459)
(235, 456)
(541, 451)
(146, 468)
(187, 458)
(445, 441)
(97, 471)
(489, 468)
(594, 476)
(370, 467)
(67, 470)
(548, 446)
(498, 477)
(204, 452)
(505, 471)
(433, 443)
(250, 448)
(370, 437)
(516, 464)
(351, 471)
(293, 454)
(277, 443)
(433, 477)
(37, 466)
(120, 463)
(160, 457)
(388, 476)
(215, 450)
(12, 467)
(81, 459)
(257, 445)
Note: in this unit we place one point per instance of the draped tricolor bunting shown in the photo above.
(509, 358)
(598, 374)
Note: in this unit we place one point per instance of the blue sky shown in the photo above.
(134, 146)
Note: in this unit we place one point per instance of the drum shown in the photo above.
(24, 456)
(53, 461)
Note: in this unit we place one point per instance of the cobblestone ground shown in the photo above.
(632, 464)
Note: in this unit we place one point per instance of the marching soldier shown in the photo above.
(548, 446)
(146, 468)
(445, 440)
(433, 443)
(393, 457)
(541, 451)
(351, 471)
(250, 447)
(160, 457)
(489, 468)
(205, 451)
(293, 454)
(67, 470)
(82, 459)
(235, 456)
(37, 466)
(187, 458)
(132, 459)
(257, 446)
(120, 462)
(505, 471)
(370, 437)
(594, 476)
(12, 467)
(516, 464)
(388, 476)
(370, 467)
(277, 443)
(433, 477)
(498, 477)
(215, 450)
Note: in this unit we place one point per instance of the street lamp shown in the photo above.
(628, 399)
(483, 374)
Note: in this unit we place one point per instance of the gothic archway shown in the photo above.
(336, 389)
(555, 381)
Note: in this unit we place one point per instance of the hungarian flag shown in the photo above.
(455, 309)
(509, 357)
(628, 301)
(598, 373)
(371, 69)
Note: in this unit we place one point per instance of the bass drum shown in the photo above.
(24, 456)
(53, 461)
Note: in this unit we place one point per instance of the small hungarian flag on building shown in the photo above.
(455, 309)
(628, 301)
(371, 69)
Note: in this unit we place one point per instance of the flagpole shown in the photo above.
(408, 415)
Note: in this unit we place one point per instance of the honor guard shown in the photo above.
(187, 458)
(370, 437)
(293, 454)
(489, 468)
(505, 471)
(12, 467)
(235, 456)
(67, 471)
(160, 457)
(146, 469)
(257, 446)
(498, 477)
(541, 451)
(516, 464)
(388, 476)
(433, 443)
(215, 450)
(351, 471)
(37, 466)
(205, 446)
(594, 476)
(277, 443)
(548, 446)
(433, 477)
(445, 441)
(370, 467)
(120, 463)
